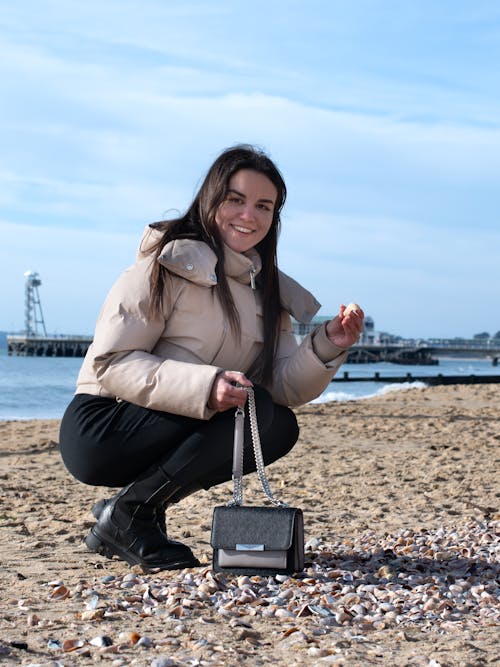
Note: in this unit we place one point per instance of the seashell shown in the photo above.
(70, 645)
(385, 572)
(177, 612)
(351, 308)
(304, 611)
(312, 544)
(287, 594)
(290, 631)
(358, 609)
(430, 604)
(192, 604)
(59, 593)
(350, 599)
(205, 588)
(93, 602)
(101, 641)
(243, 581)
(342, 617)
(223, 611)
(268, 612)
(334, 574)
(319, 610)
(145, 642)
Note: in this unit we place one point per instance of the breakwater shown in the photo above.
(434, 380)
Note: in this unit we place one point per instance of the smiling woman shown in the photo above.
(203, 314)
(246, 214)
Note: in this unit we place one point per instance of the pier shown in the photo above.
(373, 348)
(48, 346)
(422, 354)
(34, 341)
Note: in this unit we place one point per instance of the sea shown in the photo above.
(42, 387)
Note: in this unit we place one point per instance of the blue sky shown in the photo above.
(384, 117)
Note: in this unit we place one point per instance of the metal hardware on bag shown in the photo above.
(257, 449)
(249, 547)
(239, 418)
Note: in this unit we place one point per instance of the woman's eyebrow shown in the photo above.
(240, 194)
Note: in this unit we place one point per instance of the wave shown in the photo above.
(340, 396)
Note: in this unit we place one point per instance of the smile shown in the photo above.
(242, 230)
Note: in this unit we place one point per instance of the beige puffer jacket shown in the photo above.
(170, 363)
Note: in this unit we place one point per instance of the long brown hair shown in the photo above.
(199, 223)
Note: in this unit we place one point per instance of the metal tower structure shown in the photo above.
(33, 315)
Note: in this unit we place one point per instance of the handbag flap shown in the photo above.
(270, 528)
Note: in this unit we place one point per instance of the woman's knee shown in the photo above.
(282, 436)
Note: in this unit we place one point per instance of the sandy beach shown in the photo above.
(400, 495)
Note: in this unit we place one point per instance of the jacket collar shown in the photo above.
(196, 262)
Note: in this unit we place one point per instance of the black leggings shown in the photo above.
(108, 443)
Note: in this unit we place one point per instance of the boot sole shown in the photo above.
(104, 546)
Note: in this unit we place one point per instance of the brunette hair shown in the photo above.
(199, 223)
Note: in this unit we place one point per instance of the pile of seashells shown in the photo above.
(442, 579)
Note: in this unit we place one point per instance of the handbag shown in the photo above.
(249, 539)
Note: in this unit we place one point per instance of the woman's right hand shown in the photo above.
(225, 395)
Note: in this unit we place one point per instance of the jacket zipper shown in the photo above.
(252, 277)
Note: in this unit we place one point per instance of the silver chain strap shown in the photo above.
(257, 450)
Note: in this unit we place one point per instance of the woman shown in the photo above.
(202, 314)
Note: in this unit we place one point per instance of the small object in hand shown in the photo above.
(352, 308)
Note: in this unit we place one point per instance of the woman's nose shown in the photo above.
(247, 213)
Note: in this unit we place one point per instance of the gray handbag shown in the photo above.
(248, 539)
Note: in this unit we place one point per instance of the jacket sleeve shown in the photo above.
(124, 362)
(302, 372)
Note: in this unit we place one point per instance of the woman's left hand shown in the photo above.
(345, 330)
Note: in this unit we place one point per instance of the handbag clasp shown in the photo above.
(249, 547)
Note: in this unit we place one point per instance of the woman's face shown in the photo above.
(246, 214)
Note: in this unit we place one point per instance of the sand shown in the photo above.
(416, 460)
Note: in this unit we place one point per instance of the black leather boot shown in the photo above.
(183, 492)
(129, 527)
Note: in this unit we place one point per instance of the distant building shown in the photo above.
(368, 337)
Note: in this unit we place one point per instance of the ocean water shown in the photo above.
(42, 387)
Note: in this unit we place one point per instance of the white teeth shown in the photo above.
(243, 230)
